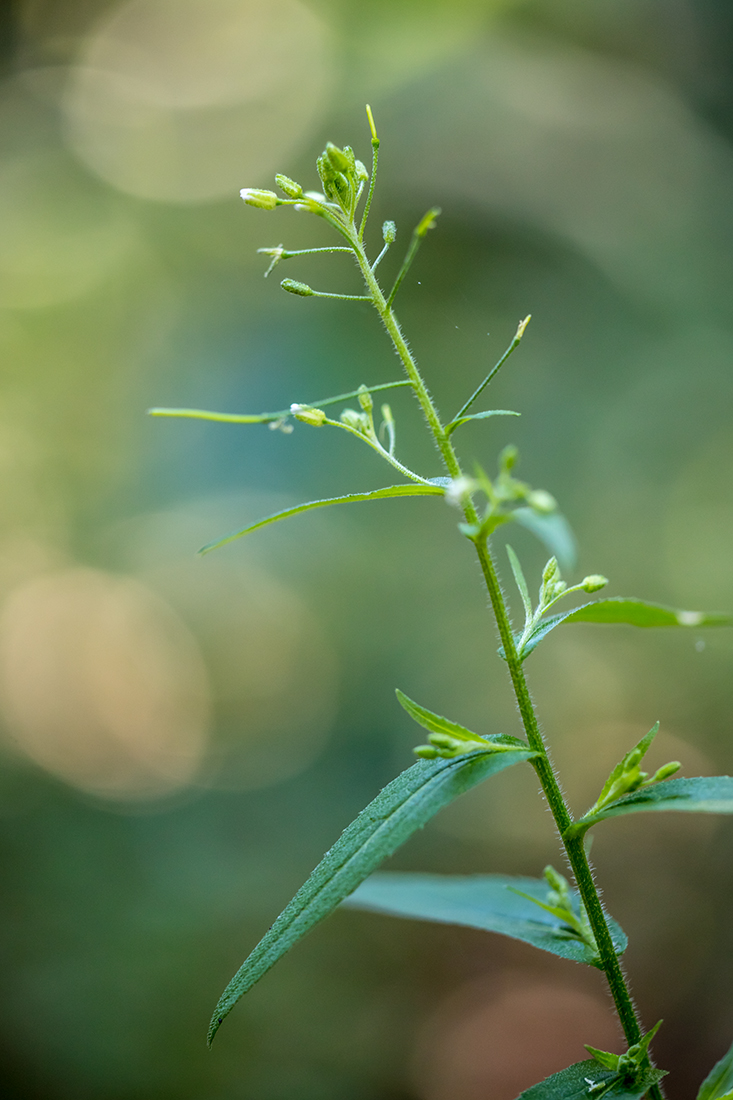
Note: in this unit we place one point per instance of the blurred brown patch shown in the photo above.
(491, 1041)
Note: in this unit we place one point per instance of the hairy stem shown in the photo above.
(542, 764)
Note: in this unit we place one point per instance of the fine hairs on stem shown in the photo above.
(551, 914)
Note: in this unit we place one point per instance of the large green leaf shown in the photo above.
(578, 1082)
(718, 1085)
(631, 612)
(422, 489)
(488, 902)
(701, 795)
(404, 805)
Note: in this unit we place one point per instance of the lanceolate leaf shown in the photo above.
(586, 1081)
(450, 428)
(437, 724)
(719, 1082)
(701, 795)
(521, 582)
(415, 490)
(631, 612)
(404, 805)
(553, 531)
(488, 902)
(270, 417)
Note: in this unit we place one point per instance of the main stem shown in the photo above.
(542, 764)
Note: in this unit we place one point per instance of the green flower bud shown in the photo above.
(551, 572)
(361, 172)
(359, 421)
(263, 200)
(365, 399)
(389, 232)
(594, 582)
(308, 414)
(666, 770)
(508, 457)
(292, 189)
(541, 501)
(294, 287)
(339, 158)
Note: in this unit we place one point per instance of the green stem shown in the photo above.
(545, 771)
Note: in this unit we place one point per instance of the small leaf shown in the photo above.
(637, 754)
(553, 531)
(488, 902)
(589, 1081)
(450, 428)
(417, 490)
(521, 582)
(628, 612)
(718, 1084)
(404, 806)
(437, 724)
(701, 795)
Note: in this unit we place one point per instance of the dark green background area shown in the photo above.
(581, 155)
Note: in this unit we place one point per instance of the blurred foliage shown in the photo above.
(581, 154)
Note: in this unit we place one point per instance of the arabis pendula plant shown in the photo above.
(547, 912)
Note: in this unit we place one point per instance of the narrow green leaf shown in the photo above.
(488, 902)
(635, 612)
(450, 428)
(416, 490)
(638, 752)
(222, 418)
(521, 582)
(718, 1084)
(404, 806)
(437, 724)
(553, 531)
(589, 1081)
(630, 612)
(700, 795)
(271, 417)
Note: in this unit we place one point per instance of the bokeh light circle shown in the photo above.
(186, 101)
(102, 685)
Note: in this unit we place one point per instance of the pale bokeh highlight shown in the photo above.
(102, 684)
(186, 101)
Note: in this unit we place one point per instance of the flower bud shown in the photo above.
(292, 189)
(551, 572)
(365, 399)
(541, 501)
(308, 414)
(339, 158)
(389, 232)
(264, 200)
(294, 287)
(508, 457)
(594, 582)
(358, 421)
(666, 770)
(361, 172)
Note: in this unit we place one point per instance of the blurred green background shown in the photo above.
(182, 738)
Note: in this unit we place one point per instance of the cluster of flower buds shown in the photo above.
(447, 747)
(342, 176)
(553, 586)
